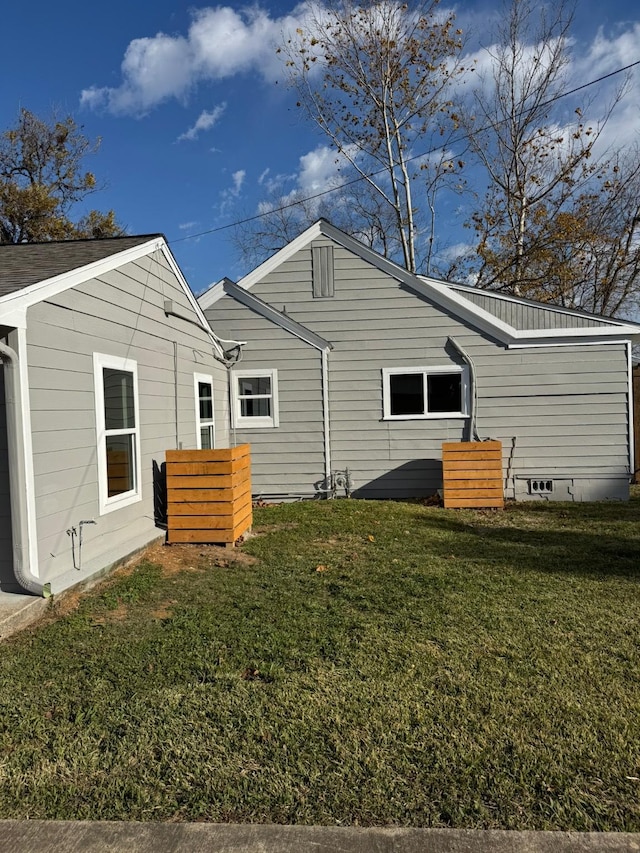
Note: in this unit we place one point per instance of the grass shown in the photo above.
(379, 663)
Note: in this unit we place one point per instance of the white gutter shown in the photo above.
(325, 412)
(632, 451)
(22, 567)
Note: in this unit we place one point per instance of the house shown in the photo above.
(355, 371)
(108, 362)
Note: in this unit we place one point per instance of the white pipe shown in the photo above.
(325, 411)
(632, 451)
(17, 476)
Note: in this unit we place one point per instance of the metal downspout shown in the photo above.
(17, 476)
(632, 452)
(325, 411)
(473, 433)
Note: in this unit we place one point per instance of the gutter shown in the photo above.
(325, 412)
(630, 413)
(473, 433)
(17, 477)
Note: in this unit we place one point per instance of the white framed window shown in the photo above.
(413, 393)
(205, 424)
(255, 398)
(118, 431)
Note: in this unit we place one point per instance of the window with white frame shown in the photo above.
(424, 392)
(255, 398)
(205, 426)
(118, 431)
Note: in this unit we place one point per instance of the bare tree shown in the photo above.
(538, 169)
(375, 78)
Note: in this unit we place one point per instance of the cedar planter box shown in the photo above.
(472, 474)
(209, 495)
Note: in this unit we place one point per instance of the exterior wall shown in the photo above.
(521, 315)
(119, 314)
(566, 407)
(288, 458)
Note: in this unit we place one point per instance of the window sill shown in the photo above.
(440, 416)
(120, 502)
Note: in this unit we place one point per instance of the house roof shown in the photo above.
(33, 272)
(22, 264)
(454, 298)
(250, 300)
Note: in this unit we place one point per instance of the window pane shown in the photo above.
(252, 385)
(206, 438)
(120, 464)
(256, 408)
(445, 392)
(407, 393)
(205, 395)
(119, 411)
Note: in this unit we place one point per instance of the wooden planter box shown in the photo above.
(472, 474)
(209, 495)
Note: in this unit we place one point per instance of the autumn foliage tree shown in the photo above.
(376, 78)
(42, 180)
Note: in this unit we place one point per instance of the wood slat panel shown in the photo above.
(462, 480)
(202, 537)
(469, 446)
(478, 465)
(476, 503)
(209, 495)
(207, 481)
(229, 509)
(472, 493)
(203, 495)
(206, 468)
(469, 455)
(472, 474)
(227, 454)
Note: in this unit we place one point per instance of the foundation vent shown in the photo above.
(540, 487)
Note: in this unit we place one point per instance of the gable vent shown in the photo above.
(323, 279)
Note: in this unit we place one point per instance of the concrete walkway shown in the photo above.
(35, 836)
(17, 610)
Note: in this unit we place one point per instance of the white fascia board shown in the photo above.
(212, 295)
(312, 233)
(595, 340)
(16, 318)
(274, 316)
(49, 287)
(166, 251)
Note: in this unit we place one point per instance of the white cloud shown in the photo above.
(238, 180)
(206, 120)
(220, 42)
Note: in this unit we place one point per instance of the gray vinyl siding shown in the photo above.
(567, 407)
(288, 458)
(523, 315)
(119, 314)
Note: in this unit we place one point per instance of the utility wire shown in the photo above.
(384, 169)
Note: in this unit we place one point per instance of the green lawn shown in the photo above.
(379, 663)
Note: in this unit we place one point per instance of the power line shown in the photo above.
(356, 180)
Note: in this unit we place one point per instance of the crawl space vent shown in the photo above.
(540, 487)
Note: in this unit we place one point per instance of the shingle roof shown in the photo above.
(23, 264)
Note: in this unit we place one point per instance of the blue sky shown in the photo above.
(195, 115)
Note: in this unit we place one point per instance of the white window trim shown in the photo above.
(259, 422)
(387, 372)
(197, 378)
(107, 504)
